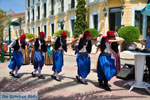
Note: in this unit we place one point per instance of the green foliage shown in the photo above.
(129, 33)
(58, 33)
(29, 35)
(94, 32)
(3, 21)
(80, 22)
(5, 59)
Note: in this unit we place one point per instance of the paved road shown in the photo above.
(68, 88)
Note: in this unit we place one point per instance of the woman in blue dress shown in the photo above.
(106, 65)
(83, 58)
(17, 60)
(40, 48)
(60, 45)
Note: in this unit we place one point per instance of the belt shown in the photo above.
(83, 53)
(59, 51)
(106, 54)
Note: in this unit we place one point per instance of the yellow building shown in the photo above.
(14, 29)
(52, 15)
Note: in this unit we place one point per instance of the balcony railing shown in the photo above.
(37, 17)
(44, 15)
(28, 21)
(51, 12)
(71, 6)
(60, 10)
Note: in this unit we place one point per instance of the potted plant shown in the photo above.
(58, 33)
(130, 34)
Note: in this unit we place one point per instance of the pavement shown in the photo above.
(68, 88)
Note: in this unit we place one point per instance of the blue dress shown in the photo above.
(107, 65)
(16, 61)
(83, 63)
(58, 61)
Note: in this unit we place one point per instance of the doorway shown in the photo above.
(114, 19)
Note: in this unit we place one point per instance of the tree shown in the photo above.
(80, 22)
(3, 22)
(20, 20)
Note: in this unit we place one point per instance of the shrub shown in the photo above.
(58, 33)
(94, 32)
(29, 35)
(129, 33)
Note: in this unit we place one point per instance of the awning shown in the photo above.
(146, 10)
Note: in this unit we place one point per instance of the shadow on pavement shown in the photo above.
(89, 96)
(120, 83)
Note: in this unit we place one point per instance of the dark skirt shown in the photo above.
(58, 61)
(107, 65)
(16, 61)
(83, 63)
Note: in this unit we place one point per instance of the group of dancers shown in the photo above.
(106, 66)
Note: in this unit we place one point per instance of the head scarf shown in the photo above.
(110, 33)
(42, 34)
(64, 34)
(87, 33)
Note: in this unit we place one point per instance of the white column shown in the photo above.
(144, 26)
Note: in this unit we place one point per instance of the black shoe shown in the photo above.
(33, 75)
(107, 88)
(41, 77)
(84, 82)
(12, 74)
(101, 83)
(16, 76)
(78, 79)
(54, 77)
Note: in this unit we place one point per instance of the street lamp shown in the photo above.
(122, 10)
(105, 11)
(61, 23)
(13, 24)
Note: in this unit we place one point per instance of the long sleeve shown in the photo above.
(12, 44)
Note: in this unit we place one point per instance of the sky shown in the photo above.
(16, 5)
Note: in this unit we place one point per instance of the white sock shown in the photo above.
(12, 71)
(16, 71)
(83, 80)
(34, 72)
(56, 74)
(39, 71)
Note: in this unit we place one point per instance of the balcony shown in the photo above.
(44, 15)
(32, 19)
(37, 17)
(60, 10)
(28, 21)
(90, 3)
(51, 13)
(71, 7)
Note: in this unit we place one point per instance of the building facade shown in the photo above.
(52, 15)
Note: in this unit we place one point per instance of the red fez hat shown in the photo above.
(23, 36)
(110, 33)
(87, 33)
(42, 34)
(64, 34)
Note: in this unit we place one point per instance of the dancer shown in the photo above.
(83, 58)
(40, 48)
(60, 45)
(17, 60)
(106, 65)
